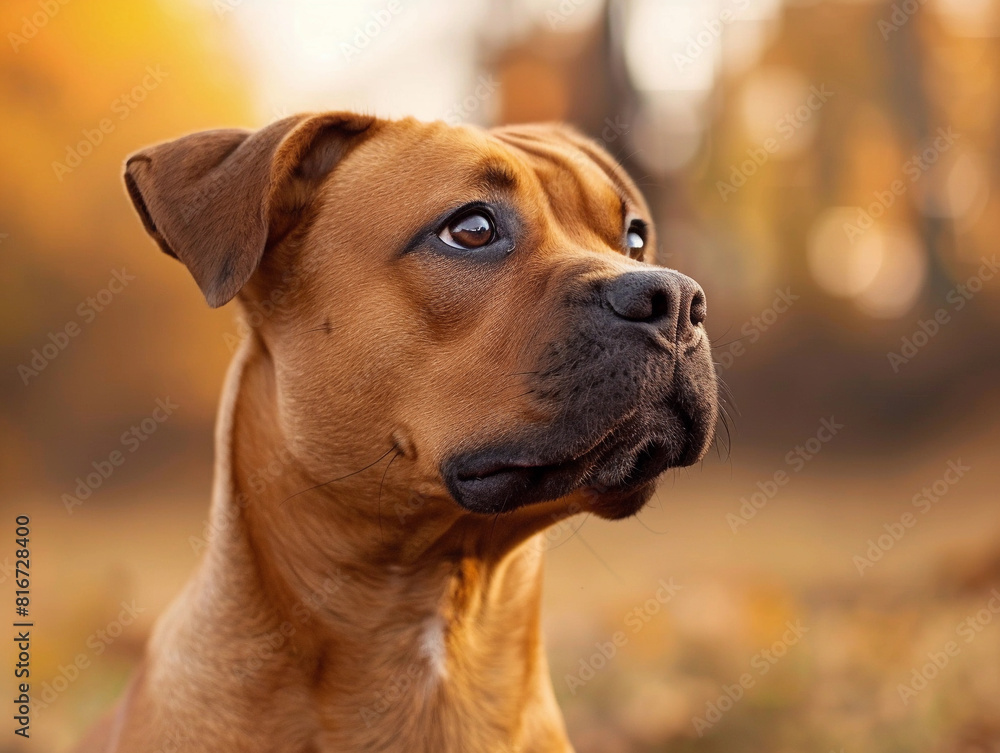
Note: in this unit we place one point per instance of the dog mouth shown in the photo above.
(619, 466)
(620, 413)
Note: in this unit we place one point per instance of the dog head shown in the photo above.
(481, 302)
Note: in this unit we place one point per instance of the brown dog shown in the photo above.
(455, 343)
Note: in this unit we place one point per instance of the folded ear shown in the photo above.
(215, 199)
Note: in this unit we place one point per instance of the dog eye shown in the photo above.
(469, 231)
(635, 237)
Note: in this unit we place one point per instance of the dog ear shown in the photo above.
(215, 199)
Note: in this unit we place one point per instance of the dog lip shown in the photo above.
(644, 456)
(496, 461)
(652, 458)
(496, 468)
(496, 481)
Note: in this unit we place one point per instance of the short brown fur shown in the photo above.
(345, 602)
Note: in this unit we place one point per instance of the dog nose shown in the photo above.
(666, 299)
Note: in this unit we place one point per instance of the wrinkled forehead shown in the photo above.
(563, 174)
(570, 164)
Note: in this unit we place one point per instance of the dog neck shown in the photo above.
(419, 634)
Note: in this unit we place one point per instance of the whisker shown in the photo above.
(341, 478)
(728, 330)
(644, 525)
(599, 558)
(719, 346)
(495, 518)
(384, 473)
(726, 394)
(327, 327)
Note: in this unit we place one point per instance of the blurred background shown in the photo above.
(830, 173)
